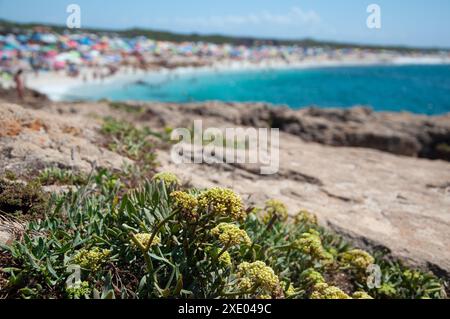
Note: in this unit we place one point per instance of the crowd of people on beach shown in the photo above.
(42, 50)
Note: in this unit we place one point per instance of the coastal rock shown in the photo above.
(398, 133)
(10, 229)
(32, 98)
(33, 140)
(5, 236)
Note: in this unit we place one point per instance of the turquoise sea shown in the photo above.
(421, 89)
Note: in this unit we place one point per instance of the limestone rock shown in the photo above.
(35, 139)
(397, 133)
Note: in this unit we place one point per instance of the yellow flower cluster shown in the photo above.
(167, 178)
(325, 291)
(92, 259)
(230, 235)
(357, 258)
(258, 275)
(223, 202)
(310, 244)
(275, 209)
(224, 258)
(312, 277)
(305, 217)
(361, 295)
(79, 291)
(288, 289)
(144, 240)
(245, 284)
(186, 204)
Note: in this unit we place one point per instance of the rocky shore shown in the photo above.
(397, 133)
(381, 179)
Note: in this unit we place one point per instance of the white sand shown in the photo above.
(56, 85)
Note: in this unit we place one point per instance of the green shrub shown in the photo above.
(18, 198)
(132, 142)
(161, 241)
(57, 176)
(128, 108)
(10, 175)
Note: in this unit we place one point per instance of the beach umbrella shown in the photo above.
(22, 38)
(83, 48)
(91, 55)
(50, 53)
(86, 41)
(123, 45)
(33, 47)
(11, 42)
(74, 54)
(72, 44)
(37, 37)
(58, 65)
(94, 54)
(49, 38)
(49, 47)
(100, 46)
(69, 57)
(9, 47)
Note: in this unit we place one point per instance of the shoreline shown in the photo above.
(57, 85)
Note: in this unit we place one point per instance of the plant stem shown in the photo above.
(144, 251)
(272, 221)
(158, 228)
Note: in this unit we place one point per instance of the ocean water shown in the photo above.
(423, 89)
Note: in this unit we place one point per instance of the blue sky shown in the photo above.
(413, 22)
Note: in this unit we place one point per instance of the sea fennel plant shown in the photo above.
(162, 241)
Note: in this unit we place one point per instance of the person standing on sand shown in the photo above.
(19, 84)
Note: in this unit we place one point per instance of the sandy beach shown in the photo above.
(56, 84)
